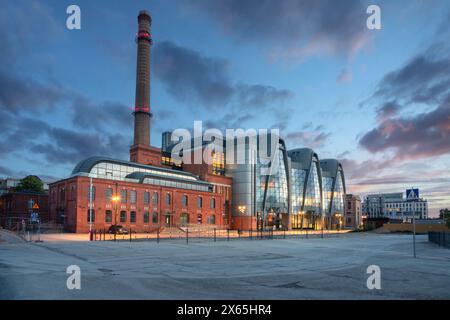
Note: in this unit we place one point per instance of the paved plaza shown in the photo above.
(313, 268)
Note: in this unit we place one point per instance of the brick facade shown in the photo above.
(69, 204)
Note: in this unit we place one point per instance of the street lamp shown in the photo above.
(241, 209)
(115, 200)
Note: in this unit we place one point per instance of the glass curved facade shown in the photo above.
(313, 203)
(337, 206)
(298, 177)
(272, 192)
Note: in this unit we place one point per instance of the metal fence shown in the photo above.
(440, 238)
(194, 235)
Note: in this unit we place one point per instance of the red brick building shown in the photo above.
(145, 193)
(17, 206)
(146, 198)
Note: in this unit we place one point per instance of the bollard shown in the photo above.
(187, 235)
(228, 234)
(214, 234)
(157, 236)
(91, 234)
(114, 235)
(239, 233)
(130, 234)
(284, 233)
(251, 235)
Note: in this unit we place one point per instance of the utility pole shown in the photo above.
(90, 208)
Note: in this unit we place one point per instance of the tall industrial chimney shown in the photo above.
(141, 151)
(142, 103)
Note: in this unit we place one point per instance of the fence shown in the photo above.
(194, 235)
(440, 238)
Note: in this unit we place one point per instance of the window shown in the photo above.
(146, 197)
(168, 198)
(90, 217)
(155, 217)
(213, 203)
(91, 193)
(133, 196)
(184, 218)
(123, 195)
(199, 202)
(123, 216)
(108, 216)
(199, 218)
(108, 194)
(155, 198)
(133, 216)
(184, 200)
(62, 194)
(146, 217)
(212, 219)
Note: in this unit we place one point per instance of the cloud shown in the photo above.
(388, 110)
(423, 79)
(310, 139)
(5, 171)
(89, 114)
(191, 77)
(422, 136)
(293, 28)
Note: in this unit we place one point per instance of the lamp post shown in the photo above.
(115, 200)
(242, 209)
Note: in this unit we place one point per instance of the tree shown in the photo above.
(447, 218)
(442, 212)
(30, 183)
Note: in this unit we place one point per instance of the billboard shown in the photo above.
(412, 194)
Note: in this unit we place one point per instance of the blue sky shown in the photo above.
(379, 100)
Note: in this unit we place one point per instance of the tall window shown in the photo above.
(108, 194)
(123, 196)
(123, 216)
(168, 198)
(146, 217)
(184, 200)
(133, 216)
(90, 217)
(146, 197)
(155, 198)
(62, 194)
(108, 216)
(133, 196)
(199, 202)
(213, 203)
(155, 217)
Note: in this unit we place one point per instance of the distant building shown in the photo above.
(8, 185)
(353, 211)
(395, 206)
(18, 206)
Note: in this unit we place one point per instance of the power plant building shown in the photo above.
(285, 189)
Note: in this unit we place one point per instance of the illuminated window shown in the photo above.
(218, 163)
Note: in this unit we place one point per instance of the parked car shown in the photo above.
(118, 229)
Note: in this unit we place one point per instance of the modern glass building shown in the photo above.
(261, 185)
(333, 182)
(306, 189)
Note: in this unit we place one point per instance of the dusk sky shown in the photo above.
(378, 100)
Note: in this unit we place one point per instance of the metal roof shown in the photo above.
(86, 165)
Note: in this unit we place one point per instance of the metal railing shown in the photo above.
(188, 235)
(440, 238)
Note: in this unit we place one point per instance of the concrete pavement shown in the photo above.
(330, 268)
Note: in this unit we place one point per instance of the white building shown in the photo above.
(395, 206)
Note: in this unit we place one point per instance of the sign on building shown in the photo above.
(412, 194)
